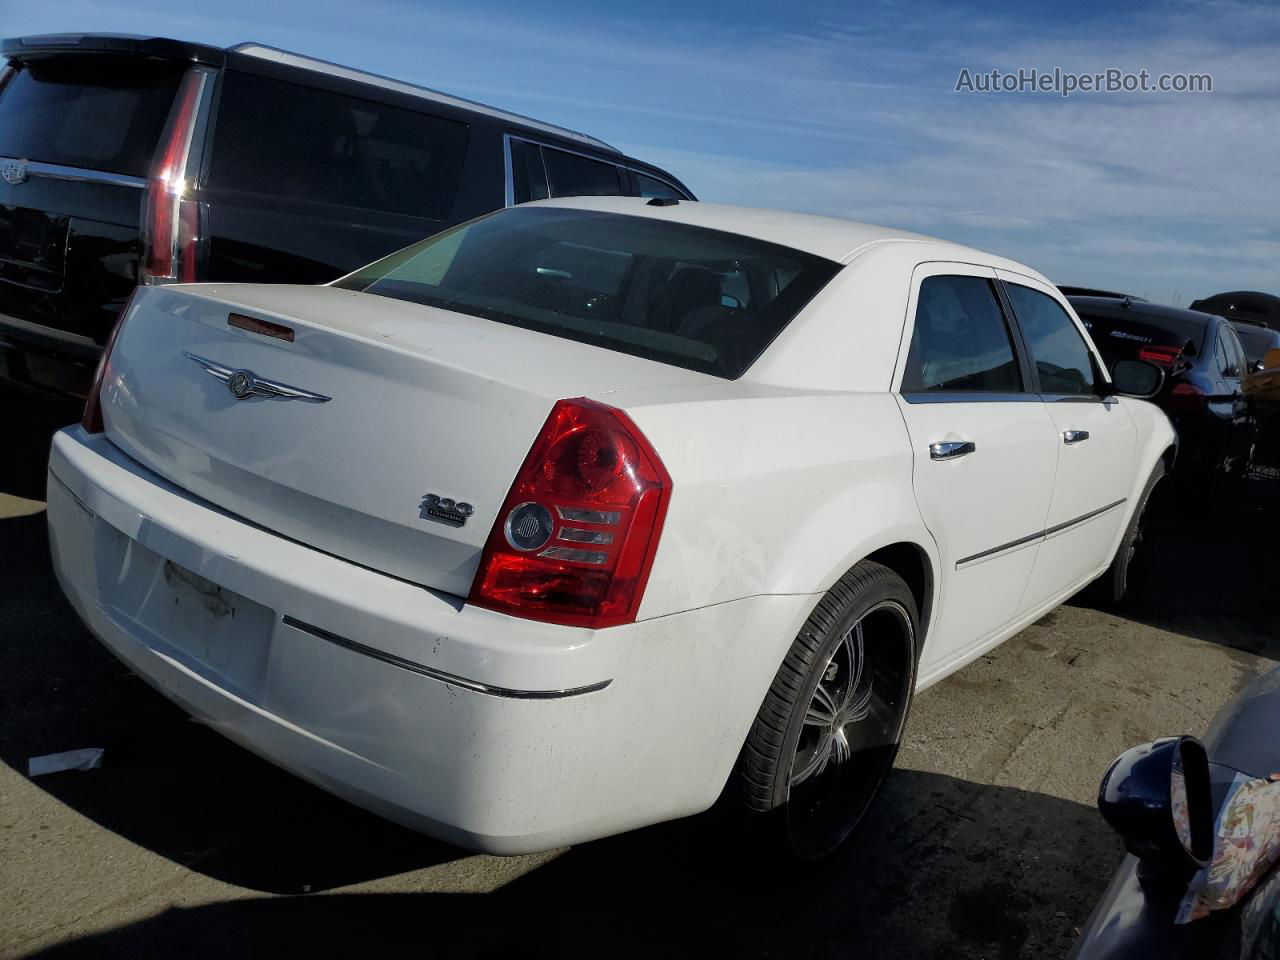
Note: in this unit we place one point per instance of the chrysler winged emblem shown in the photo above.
(13, 171)
(244, 384)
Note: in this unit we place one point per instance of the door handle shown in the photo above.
(951, 449)
(1074, 436)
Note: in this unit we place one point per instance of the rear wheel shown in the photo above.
(1131, 569)
(829, 729)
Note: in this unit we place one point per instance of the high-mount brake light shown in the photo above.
(92, 420)
(576, 536)
(171, 222)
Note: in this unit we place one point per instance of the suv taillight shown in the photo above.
(575, 538)
(92, 419)
(170, 222)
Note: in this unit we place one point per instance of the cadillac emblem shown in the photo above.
(13, 171)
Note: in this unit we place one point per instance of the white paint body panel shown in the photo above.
(782, 481)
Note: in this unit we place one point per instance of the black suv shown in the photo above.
(143, 159)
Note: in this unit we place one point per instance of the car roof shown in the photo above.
(829, 237)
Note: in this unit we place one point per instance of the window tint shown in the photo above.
(1230, 356)
(288, 140)
(688, 296)
(960, 341)
(96, 113)
(572, 175)
(1058, 350)
(528, 177)
(653, 187)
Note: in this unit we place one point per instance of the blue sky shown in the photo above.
(850, 110)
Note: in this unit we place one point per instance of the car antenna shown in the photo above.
(662, 202)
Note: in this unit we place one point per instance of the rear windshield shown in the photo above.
(1123, 336)
(98, 113)
(687, 296)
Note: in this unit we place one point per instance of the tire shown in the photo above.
(830, 726)
(1130, 569)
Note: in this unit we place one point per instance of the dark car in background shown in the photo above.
(1256, 339)
(1248, 305)
(1135, 919)
(142, 159)
(1205, 366)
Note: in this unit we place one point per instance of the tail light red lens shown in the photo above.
(1186, 397)
(1161, 356)
(575, 538)
(92, 418)
(170, 223)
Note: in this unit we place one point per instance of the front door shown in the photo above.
(985, 451)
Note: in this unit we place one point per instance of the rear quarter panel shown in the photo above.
(780, 492)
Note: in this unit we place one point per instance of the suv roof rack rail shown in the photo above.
(275, 54)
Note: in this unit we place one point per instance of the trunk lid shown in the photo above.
(422, 402)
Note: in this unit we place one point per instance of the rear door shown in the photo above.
(985, 452)
(77, 135)
(1095, 440)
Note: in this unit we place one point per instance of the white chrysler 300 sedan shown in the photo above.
(561, 521)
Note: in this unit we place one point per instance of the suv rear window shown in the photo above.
(286, 140)
(89, 112)
(691, 297)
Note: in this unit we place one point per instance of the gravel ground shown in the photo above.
(985, 842)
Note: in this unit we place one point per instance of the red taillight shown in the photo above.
(1161, 356)
(575, 538)
(171, 224)
(92, 419)
(1186, 397)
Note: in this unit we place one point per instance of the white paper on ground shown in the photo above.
(84, 759)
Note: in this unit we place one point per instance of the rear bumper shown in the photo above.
(489, 731)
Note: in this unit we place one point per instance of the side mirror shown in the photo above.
(1271, 359)
(1158, 798)
(1136, 378)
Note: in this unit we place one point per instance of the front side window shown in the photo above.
(960, 341)
(1060, 354)
(573, 175)
(286, 140)
(688, 296)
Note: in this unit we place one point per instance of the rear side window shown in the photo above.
(960, 341)
(653, 187)
(528, 176)
(287, 140)
(687, 296)
(573, 175)
(89, 112)
(1058, 350)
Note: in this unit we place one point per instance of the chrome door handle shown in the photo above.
(951, 449)
(1074, 436)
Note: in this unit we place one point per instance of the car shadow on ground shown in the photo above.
(1214, 576)
(942, 868)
